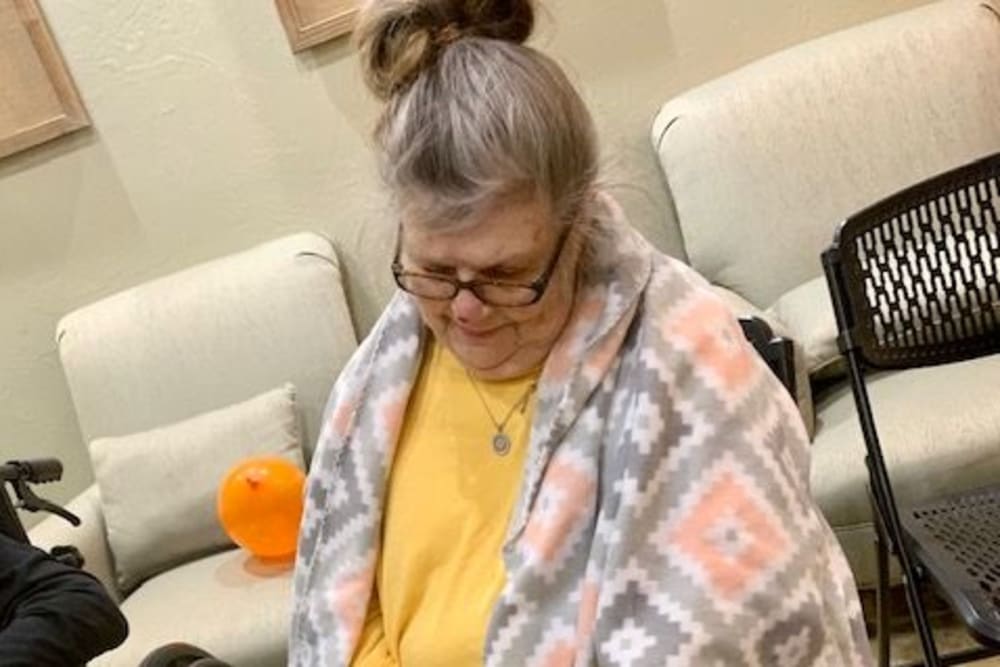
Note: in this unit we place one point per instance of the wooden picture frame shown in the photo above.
(311, 22)
(40, 101)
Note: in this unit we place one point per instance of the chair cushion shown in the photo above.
(158, 488)
(763, 163)
(806, 313)
(232, 605)
(940, 432)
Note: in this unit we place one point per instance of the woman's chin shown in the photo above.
(478, 355)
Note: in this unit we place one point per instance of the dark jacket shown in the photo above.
(52, 614)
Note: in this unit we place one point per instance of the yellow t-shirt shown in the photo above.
(449, 500)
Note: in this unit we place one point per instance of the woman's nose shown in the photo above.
(466, 307)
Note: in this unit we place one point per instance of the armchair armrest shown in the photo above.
(778, 352)
(89, 537)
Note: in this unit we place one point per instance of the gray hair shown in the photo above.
(472, 115)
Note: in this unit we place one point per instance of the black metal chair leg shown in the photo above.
(882, 604)
(920, 621)
(887, 519)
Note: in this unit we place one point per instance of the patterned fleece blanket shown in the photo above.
(664, 516)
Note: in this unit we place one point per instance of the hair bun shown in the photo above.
(400, 38)
(509, 20)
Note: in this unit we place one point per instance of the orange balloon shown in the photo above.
(260, 506)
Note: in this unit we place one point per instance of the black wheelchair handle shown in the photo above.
(33, 471)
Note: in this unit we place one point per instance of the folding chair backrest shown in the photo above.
(918, 274)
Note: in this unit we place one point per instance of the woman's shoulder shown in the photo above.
(675, 288)
(390, 349)
(670, 293)
(684, 321)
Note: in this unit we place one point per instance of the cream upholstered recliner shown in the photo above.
(762, 165)
(173, 380)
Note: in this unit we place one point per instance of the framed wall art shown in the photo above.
(311, 22)
(38, 100)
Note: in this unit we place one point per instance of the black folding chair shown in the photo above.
(915, 281)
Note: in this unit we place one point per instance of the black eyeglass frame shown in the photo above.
(538, 285)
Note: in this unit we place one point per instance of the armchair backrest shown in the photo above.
(211, 336)
(763, 163)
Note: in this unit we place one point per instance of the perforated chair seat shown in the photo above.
(957, 539)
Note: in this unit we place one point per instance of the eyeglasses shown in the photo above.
(490, 292)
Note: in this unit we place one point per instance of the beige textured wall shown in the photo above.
(210, 136)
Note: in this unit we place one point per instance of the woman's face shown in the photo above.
(513, 242)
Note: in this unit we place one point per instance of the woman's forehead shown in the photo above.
(517, 231)
(424, 213)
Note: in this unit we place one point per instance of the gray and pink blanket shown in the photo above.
(664, 516)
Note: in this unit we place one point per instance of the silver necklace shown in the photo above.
(501, 441)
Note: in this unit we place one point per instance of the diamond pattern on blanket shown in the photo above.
(630, 637)
(629, 644)
(558, 647)
(635, 596)
(349, 602)
(705, 326)
(726, 536)
(560, 511)
(796, 641)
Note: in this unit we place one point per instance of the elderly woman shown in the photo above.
(555, 447)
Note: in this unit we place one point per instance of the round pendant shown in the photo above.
(501, 444)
